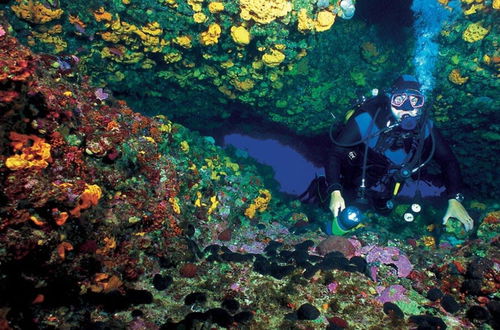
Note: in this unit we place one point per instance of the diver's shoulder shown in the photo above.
(374, 103)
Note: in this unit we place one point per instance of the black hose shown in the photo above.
(369, 136)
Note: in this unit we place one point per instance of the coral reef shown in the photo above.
(109, 218)
(272, 57)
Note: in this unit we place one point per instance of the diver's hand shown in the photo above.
(457, 210)
(337, 202)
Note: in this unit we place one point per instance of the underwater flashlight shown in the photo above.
(411, 212)
(348, 219)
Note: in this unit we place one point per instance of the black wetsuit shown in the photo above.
(387, 151)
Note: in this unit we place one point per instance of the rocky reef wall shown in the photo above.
(287, 62)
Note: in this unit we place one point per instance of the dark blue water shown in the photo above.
(292, 170)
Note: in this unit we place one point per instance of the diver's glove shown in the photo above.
(337, 203)
(457, 210)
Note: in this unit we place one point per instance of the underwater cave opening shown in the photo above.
(293, 171)
(295, 159)
(392, 18)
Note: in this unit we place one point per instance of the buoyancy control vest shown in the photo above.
(381, 135)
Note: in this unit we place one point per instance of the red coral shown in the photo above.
(188, 270)
(337, 243)
(225, 235)
(338, 322)
(8, 96)
(15, 61)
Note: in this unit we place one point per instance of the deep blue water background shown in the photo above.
(292, 170)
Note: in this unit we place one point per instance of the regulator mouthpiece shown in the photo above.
(409, 123)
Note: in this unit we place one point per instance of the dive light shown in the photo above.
(348, 219)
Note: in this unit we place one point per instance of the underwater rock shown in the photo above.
(428, 322)
(138, 323)
(478, 313)
(225, 235)
(271, 248)
(434, 294)
(231, 305)
(336, 323)
(137, 313)
(243, 317)
(236, 257)
(308, 312)
(336, 243)
(388, 256)
(220, 316)
(137, 297)
(115, 301)
(188, 270)
(195, 298)
(450, 304)
(360, 264)
(162, 282)
(393, 310)
(111, 301)
(304, 245)
(391, 293)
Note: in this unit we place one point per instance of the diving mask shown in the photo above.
(407, 100)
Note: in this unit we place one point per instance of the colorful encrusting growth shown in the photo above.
(109, 218)
(291, 62)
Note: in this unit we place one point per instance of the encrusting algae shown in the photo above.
(36, 12)
(474, 32)
(130, 208)
(264, 11)
(211, 36)
(259, 204)
(456, 77)
(33, 152)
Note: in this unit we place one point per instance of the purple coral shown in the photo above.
(388, 256)
(391, 294)
(101, 94)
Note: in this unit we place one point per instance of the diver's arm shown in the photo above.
(337, 154)
(453, 181)
(448, 163)
(349, 135)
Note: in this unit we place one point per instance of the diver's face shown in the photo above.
(400, 114)
(406, 103)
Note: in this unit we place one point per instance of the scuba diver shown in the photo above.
(379, 154)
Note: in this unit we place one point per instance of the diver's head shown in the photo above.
(407, 101)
